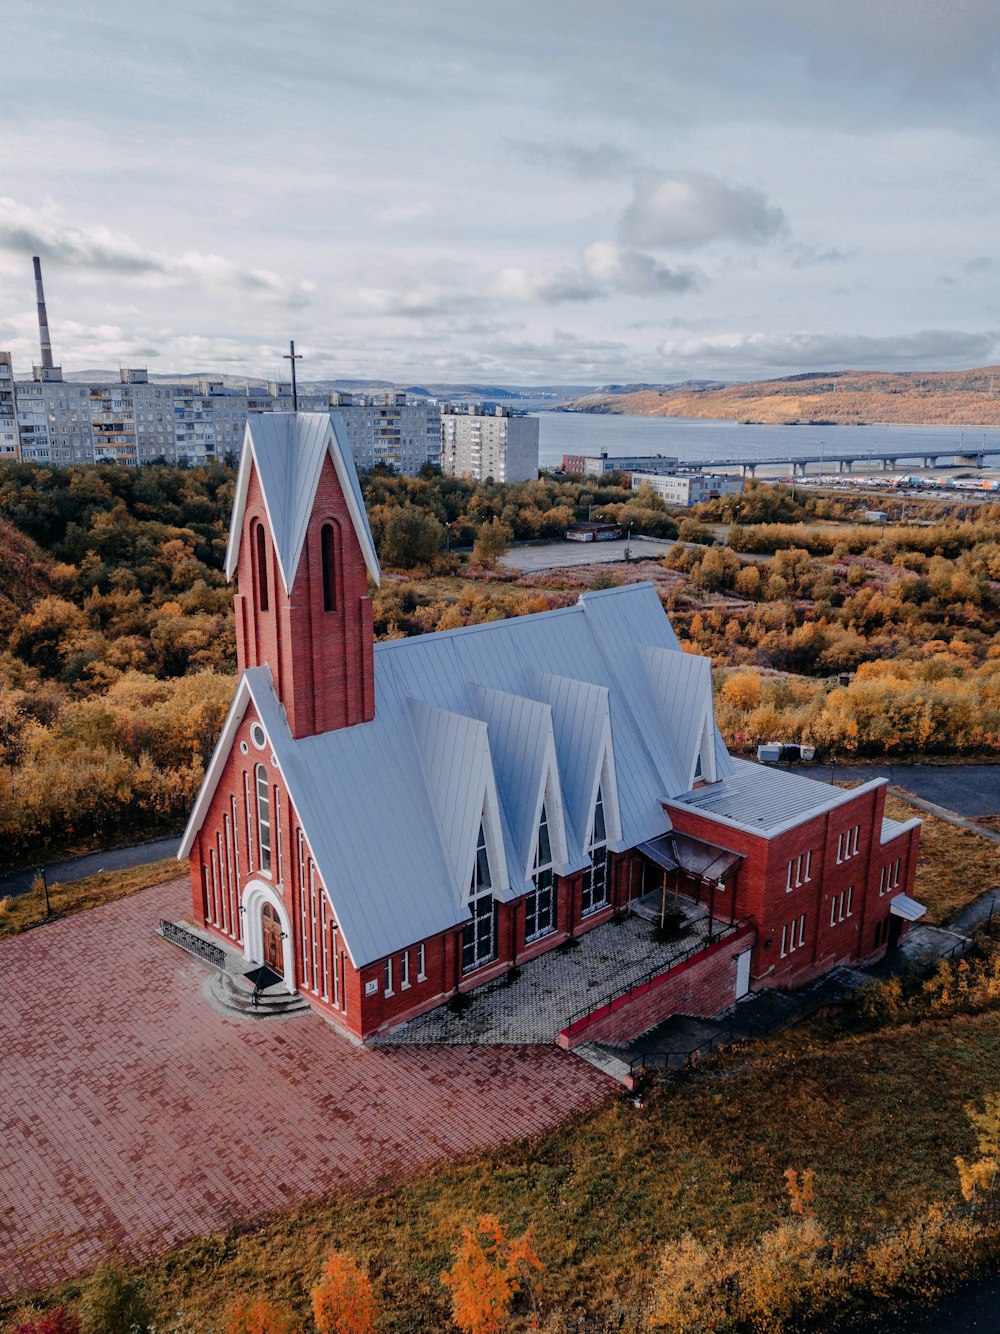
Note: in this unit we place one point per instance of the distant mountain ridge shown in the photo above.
(826, 398)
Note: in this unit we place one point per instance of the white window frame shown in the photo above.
(808, 867)
(387, 990)
(840, 848)
(404, 971)
(850, 901)
(421, 962)
(263, 820)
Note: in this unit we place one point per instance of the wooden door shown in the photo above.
(274, 954)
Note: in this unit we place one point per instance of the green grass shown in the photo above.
(954, 866)
(880, 1117)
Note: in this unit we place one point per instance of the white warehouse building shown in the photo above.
(688, 488)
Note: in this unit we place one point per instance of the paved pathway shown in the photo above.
(91, 863)
(965, 789)
(132, 1113)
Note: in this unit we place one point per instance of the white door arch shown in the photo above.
(255, 896)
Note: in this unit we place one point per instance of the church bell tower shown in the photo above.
(301, 550)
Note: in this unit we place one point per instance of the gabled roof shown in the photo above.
(488, 715)
(524, 756)
(288, 450)
(458, 767)
(581, 721)
(682, 683)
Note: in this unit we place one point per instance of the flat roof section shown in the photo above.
(766, 801)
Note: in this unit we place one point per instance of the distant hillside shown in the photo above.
(847, 398)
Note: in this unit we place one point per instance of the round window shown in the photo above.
(258, 736)
(244, 748)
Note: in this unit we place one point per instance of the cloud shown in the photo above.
(588, 161)
(816, 351)
(686, 209)
(605, 268)
(803, 256)
(99, 250)
(418, 302)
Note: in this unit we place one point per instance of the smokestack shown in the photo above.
(43, 319)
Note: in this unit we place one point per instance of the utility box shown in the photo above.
(769, 752)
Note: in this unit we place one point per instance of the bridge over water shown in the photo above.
(888, 460)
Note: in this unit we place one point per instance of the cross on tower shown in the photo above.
(293, 356)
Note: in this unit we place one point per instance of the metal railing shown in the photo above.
(626, 994)
(187, 940)
(741, 1030)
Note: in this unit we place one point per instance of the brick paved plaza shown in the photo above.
(133, 1113)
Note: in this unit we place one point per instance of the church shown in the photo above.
(388, 825)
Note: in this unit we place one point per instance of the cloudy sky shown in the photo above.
(560, 191)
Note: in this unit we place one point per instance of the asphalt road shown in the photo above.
(969, 789)
(557, 555)
(973, 1308)
(19, 882)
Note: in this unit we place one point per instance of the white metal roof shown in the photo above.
(766, 801)
(909, 909)
(490, 714)
(288, 450)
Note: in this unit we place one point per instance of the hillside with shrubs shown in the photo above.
(117, 653)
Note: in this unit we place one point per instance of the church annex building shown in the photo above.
(386, 825)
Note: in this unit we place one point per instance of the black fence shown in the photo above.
(187, 940)
(626, 993)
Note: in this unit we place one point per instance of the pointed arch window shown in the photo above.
(595, 877)
(540, 901)
(263, 819)
(479, 935)
(328, 558)
(260, 556)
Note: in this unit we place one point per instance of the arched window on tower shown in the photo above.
(327, 543)
(260, 554)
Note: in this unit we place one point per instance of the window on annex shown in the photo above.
(540, 902)
(479, 935)
(263, 820)
(595, 877)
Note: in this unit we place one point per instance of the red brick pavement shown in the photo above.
(134, 1114)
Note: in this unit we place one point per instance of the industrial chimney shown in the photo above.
(46, 371)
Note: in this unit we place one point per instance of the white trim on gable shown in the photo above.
(550, 796)
(606, 782)
(220, 756)
(489, 819)
(306, 440)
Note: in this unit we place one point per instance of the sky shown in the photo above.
(554, 192)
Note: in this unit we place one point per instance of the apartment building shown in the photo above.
(599, 465)
(132, 420)
(495, 442)
(8, 411)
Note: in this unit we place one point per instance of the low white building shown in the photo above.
(479, 443)
(688, 488)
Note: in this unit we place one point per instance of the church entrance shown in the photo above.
(274, 954)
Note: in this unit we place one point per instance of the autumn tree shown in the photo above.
(343, 1301)
(489, 1270)
(493, 542)
(56, 1321)
(257, 1315)
(978, 1178)
(115, 1302)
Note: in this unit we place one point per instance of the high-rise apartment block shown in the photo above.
(134, 420)
(8, 411)
(480, 442)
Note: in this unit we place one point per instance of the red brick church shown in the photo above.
(385, 825)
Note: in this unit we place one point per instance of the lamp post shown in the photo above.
(628, 544)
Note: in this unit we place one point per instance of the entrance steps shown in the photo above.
(235, 994)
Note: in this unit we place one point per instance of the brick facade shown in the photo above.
(814, 896)
(813, 892)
